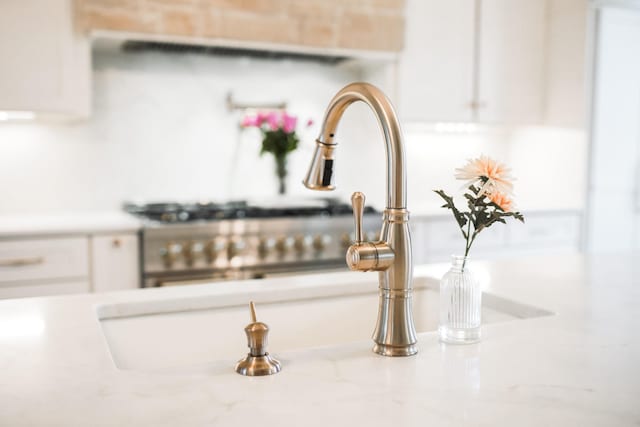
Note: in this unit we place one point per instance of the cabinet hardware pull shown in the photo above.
(20, 262)
(477, 105)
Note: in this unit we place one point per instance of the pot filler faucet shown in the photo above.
(395, 333)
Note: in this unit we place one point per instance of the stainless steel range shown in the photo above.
(186, 243)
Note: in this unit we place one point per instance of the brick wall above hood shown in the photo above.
(302, 25)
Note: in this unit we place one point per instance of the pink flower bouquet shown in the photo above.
(278, 137)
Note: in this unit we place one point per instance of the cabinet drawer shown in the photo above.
(444, 235)
(43, 259)
(547, 229)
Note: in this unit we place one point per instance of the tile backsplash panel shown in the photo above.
(160, 130)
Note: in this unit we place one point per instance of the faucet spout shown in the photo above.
(395, 333)
(320, 176)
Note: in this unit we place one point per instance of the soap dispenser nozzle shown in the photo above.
(257, 362)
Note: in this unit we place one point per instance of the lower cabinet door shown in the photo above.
(115, 262)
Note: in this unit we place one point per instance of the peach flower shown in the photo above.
(497, 175)
(502, 200)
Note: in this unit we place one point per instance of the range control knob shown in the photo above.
(213, 249)
(302, 242)
(170, 253)
(265, 246)
(191, 251)
(373, 236)
(235, 247)
(284, 244)
(346, 239)
(320, 242)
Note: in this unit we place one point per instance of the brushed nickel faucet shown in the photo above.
(395, 333)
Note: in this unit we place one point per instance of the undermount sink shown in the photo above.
(180, 333)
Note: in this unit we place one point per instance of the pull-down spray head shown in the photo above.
(320, 174)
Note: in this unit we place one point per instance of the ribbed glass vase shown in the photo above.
(460, 304)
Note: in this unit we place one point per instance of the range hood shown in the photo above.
(133, 46)
(319, 31)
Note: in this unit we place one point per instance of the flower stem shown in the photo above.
(468, 244)
(281, 172)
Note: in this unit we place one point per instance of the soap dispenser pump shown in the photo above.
(258, 362)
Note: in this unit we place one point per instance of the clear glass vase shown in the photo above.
(460, 304)
(281, 173)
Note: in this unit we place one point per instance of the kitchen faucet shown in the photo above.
(395, 333)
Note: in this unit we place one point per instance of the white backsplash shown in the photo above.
(549, 164)
(160, 131)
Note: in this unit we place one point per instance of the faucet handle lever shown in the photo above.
(357, 202)
(366, 256)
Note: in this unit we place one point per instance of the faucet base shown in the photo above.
(257, 366)
(395, 351)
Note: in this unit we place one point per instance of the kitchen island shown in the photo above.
(577, 366)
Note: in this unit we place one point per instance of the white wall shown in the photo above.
(550, 165)
(160, 130)
(433, 157)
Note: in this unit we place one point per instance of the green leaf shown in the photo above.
(519, 216)
(278, 142)
(460, 218)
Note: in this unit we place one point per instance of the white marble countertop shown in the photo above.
(578, 367)
(35, 225)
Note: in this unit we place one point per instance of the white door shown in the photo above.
(115, 262)
(511, 61)
(44, 65)
(614, 189)
(436, 67)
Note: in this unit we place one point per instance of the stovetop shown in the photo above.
(172, 212)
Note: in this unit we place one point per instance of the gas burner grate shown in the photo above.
(172, 212)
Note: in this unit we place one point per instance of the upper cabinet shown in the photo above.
(510, 56)
(436, 68)
(513, 62)
(45, 65)
(566, 64)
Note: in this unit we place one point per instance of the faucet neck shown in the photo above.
(388, 120)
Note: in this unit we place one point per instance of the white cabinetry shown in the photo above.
(35, 267)
(45, 64)
(566, 65)
(511, 58)
(481, 60)
(64, 265)
(115, 262)
(435, 75)
(436, 238)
